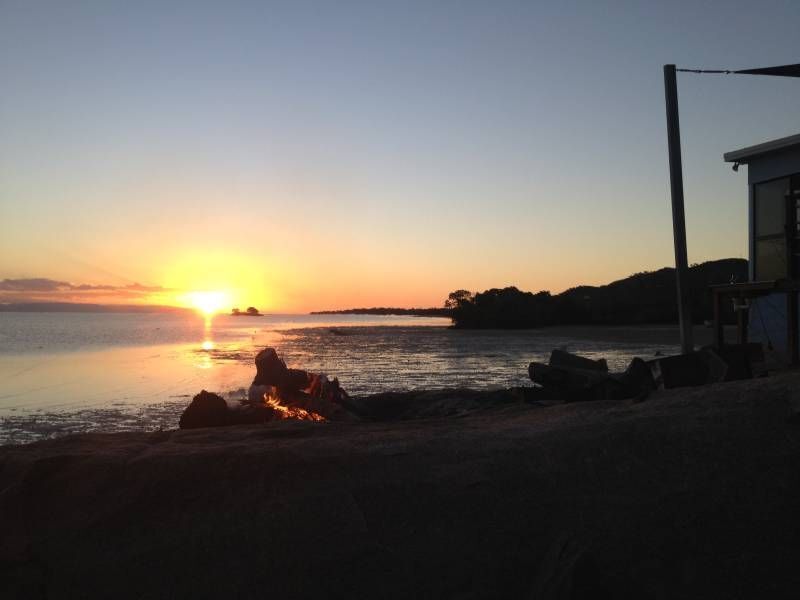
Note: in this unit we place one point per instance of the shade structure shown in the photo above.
(782, 71)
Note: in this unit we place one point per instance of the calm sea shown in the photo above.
(74, 372)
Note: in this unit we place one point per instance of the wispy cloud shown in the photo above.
(38, 289)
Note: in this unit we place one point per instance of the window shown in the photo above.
(770, 229)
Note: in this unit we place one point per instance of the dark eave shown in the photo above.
(747, 154)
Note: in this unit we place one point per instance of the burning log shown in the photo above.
(295, 393)
(277, 393)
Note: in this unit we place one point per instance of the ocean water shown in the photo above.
(63, 373)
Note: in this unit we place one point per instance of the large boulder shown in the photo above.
(567, 360)
(572, 378)
(272, 371)
(211, 410)
(205, 410)
(270, 368)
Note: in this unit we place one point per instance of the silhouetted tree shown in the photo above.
(457, 298)
(252, 310)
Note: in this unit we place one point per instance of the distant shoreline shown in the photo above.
(79, 307)
(413, 312)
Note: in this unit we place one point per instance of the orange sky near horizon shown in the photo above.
(316, 281)
(301, 158)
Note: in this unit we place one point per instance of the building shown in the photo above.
(768, 303)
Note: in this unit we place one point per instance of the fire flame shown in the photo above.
(291, 412)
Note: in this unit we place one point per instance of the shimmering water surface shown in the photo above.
(72, 372)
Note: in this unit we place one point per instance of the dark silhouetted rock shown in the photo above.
(575, 378)
(295, 379)
(561, 358)
(573, 384)
(205, 410)
(686, 370)
(211, 410)
(270, 369)
(252, 413)
(638, 379)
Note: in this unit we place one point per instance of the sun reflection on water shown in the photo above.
(204, 360)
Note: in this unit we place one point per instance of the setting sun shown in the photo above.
(209, 303)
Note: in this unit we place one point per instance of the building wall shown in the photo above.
(767, 318)
(768, 325)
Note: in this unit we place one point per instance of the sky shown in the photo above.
(301, 156)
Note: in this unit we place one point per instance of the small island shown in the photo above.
(251, 311)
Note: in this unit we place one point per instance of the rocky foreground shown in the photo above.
(692, 493)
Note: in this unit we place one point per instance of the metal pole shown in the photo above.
(678, 218)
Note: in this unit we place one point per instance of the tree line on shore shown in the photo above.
(385, 310)
(647, 297)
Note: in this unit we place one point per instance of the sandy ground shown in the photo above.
(693, 493)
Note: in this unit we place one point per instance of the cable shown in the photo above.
(719, 71)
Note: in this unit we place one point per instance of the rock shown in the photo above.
(561, 358)
(686, 370)
(256, 393)
(295, 379)
(252, 413)
(566, 381)
(638, 378)
(573, 384)
(270, 369)
(205, 410)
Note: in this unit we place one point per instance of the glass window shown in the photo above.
(770, 200)
(770, 259)
(770, 217)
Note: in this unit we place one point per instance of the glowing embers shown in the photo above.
(282, 411)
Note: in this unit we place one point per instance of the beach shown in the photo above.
(691, 493)
(63, 373)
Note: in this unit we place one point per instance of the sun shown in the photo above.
(209, 303)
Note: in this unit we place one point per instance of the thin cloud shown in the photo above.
(38, 289)
(37, 284)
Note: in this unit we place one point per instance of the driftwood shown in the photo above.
(571, 378)
(562, 358)
(731, 362)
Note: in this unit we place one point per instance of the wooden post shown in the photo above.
(791, 325)
(741, 320)
(719, 331)
(678, 218)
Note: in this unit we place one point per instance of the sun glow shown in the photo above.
(209, 303)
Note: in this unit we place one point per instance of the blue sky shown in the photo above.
(385, 153)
